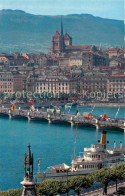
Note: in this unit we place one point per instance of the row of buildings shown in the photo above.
(75, 83)
(66, 69)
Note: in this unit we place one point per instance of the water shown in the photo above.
(54, 144)
(110, 111)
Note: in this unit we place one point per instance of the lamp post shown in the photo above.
(116, 177)
(67, 179)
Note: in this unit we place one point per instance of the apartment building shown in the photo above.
(6, 82)
(116, 84)
(52, 84)
(94, 82)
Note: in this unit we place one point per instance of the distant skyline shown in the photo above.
(113, 9)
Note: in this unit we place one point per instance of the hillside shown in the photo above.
(23, 32)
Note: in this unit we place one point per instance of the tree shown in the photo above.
(78, 182)
(87, 181)
(63, 188)
(104, 176)
(13, 192)
(119, 173)
(48, 187)
(75, 183)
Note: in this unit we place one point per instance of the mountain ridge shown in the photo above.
(24, 32)
(22, 11)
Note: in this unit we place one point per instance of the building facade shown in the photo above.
(52, 84)
(17, 83)
(116, 86)
(94, 84)
(6, 82)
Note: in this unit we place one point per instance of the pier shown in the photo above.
(72, 119)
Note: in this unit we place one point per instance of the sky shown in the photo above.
(113, 9)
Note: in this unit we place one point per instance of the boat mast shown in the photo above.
(75, 142)
(93, 109)
(117, 112)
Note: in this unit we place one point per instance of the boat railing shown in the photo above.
(97, 149)
(87, 149)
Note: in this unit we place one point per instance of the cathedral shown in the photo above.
(60, 42)
(61, 45)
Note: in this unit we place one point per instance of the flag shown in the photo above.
(13, 107)
(32, 109)
(31, 103)
(104, 116)
(38, 160)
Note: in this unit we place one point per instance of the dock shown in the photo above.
(72, 119)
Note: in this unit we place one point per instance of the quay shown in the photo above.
(79, 120)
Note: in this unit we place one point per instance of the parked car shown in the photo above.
(121, 191)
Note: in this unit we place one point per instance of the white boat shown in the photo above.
(68, 105)
(93, 158)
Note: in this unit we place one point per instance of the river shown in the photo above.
(53, 144)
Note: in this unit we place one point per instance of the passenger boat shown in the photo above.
(93, 158)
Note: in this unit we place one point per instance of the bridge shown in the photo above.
(109, 123)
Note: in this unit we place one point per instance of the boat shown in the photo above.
(68, 106)
(93, 158)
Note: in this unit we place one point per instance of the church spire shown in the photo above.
(61, 27)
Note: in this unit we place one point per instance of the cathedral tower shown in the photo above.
(58, 44)
(28, 183)
(67, 40)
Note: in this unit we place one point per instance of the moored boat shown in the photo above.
(93, 158)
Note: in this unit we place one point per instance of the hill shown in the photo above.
(23, 32)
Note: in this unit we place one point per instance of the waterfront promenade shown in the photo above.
(79, 120)
(99, 192)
